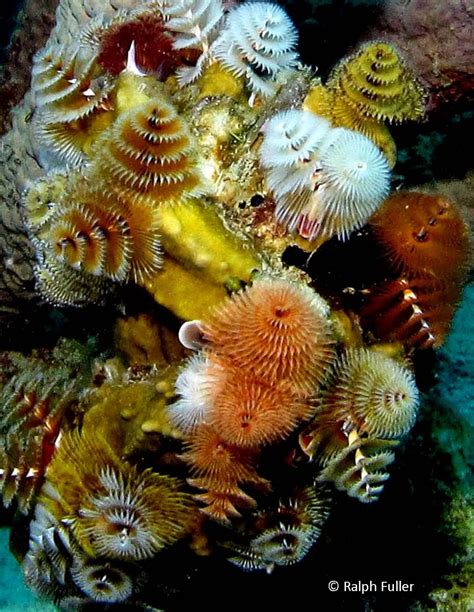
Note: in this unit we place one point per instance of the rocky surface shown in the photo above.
(34, 24)
(436, 39)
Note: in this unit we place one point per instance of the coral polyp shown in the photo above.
(258, 43)
(275, 330)
(423, 234)
(149, 151)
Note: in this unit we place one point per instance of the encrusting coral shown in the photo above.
(179, 149)
(128, 405)
(144, 341)
(144, 179)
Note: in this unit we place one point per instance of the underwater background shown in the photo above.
(420, 530)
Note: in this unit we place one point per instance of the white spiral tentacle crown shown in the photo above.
(288, 151)
(193, 388)
(258, 43)
(357, 179)
(195, 25)
(326, 181)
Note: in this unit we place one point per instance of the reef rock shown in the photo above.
(436, 39)
(34, 25)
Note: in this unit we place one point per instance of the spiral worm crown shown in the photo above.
(258, 43)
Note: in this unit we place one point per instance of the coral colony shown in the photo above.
(184, 148)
